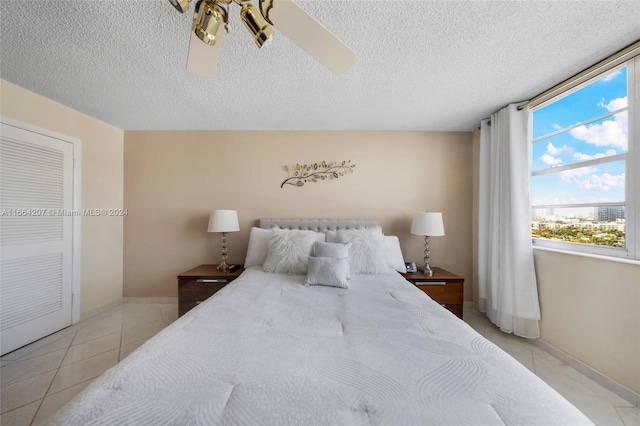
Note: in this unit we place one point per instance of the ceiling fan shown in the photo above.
(285, 15)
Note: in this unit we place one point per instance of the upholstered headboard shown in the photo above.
(318, 225)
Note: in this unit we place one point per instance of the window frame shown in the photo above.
(632, 169)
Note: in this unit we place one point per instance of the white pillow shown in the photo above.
(328, 271)
(393, 253)
(332, 236)
(335, 250)
(289, 250)
(366, 253)
(258, 247)
(324, 249)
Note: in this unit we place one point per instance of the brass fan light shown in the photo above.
(285, 15)
(256, 24)
(209, 16)
(180, 5)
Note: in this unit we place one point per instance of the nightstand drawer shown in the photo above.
(442, 286)
(199, 290)
(198, 284)
(456, 309)
(447, 293)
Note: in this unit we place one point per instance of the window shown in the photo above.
(585, 165)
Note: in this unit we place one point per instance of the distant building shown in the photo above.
(610, 213)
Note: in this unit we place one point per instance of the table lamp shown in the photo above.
(223, 221)
(428, 224)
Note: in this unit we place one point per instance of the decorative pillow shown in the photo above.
(329, 271)
(393, 253)
(366, 253)
(336, 250)
(258, 247)
(289, 251)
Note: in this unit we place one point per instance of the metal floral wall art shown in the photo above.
(300, 174)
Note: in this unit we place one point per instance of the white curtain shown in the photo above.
(507, 281)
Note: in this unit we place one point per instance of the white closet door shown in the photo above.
(36, 241)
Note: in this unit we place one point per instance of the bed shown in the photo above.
(272, 348)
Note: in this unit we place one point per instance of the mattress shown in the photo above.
(267, 350)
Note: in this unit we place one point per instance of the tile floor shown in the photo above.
(41, 377)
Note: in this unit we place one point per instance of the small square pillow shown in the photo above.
(337, 250)
(328, 271)
(366, 252)
(289, 250)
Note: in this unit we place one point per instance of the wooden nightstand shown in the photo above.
(197, 284)
(443, 287)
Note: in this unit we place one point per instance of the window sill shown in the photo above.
(593, 256)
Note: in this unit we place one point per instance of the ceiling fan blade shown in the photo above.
(310, 35)
(203, 58)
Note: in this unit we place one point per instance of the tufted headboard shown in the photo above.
(318, 225)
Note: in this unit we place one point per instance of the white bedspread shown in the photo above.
(266, 350)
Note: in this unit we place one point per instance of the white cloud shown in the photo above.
(614, 104)
(571, 175)
(601, 182)
(583, 157)
(586, 178)
(607, 133)
(611, 75)
(550, 160)
(554, 150)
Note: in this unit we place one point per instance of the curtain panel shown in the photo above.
(508, 291)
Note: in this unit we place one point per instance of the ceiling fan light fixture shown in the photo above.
(256, 24)
(209, 17)
(180, 5)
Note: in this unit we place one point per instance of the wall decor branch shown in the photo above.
(300, 174)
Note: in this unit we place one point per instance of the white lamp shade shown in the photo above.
(223, 221)
(428, 224)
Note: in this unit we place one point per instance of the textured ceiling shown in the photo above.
(421, 65)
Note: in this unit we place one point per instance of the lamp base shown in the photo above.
(427, 270)
(224, 267)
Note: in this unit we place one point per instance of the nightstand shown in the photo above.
(443, 287)
(200, 283)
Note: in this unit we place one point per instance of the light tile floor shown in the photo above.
(602, 406)
(43, 376)
(39, 378)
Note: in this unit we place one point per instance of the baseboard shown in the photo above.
(99, 310)
(596, 376)
(104, 308)
(164, 300)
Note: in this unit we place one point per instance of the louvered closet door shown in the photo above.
(36, 183)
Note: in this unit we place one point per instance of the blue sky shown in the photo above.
(603, 138)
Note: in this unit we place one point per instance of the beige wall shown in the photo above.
(590, 308)
(174, 179)
(102, 186)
